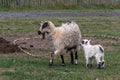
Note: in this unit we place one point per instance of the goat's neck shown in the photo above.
(86, 46)
(52, 27)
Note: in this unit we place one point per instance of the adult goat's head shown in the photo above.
(44, 28)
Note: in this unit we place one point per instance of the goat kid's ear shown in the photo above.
(89, 40)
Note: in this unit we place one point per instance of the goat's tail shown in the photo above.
(101, 49)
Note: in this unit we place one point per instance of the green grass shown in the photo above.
(32, 68)
(60, 8)
(108, 26)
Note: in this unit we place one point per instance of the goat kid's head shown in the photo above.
(85, 42)
(44, 28)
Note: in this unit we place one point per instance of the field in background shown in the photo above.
(17, 66)
(7, 5)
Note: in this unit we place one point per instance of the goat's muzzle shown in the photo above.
(39, 32)
(43, 34)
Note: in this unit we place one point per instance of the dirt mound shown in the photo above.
(7, 47)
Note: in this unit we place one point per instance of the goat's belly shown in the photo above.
(59, 44)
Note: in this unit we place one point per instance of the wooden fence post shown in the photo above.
(60, 3)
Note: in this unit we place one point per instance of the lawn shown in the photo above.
(20, 67)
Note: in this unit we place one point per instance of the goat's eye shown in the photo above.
(86, 42)
(82, 42)
(45, 25)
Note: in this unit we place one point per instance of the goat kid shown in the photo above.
(91, 52)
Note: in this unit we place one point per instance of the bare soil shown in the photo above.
(7, 47)
(42, 47)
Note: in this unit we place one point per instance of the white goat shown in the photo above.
(93, 51)
(65, 38)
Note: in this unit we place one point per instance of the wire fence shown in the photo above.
(57, 3)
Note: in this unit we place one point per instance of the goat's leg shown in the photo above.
(87, 64)
(62, 58)
(103, 63)
(51, 60)
(52, 56)
(99, 62)
(72, 57)
(76, 58)
(91, 62)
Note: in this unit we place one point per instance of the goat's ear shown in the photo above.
(48, 23)
(89, 41)
(80, 44)
(40, 22)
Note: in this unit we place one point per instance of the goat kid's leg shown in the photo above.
(87, 63)
(99, 62)
(102, 64)
(91, 62)
(62, 58)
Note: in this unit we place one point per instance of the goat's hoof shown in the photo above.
(76, 63)
(87, 68)
(62, 64)
(72, 62)
(101, 68)
(91, 65)
(50, 64)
